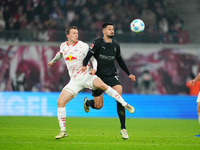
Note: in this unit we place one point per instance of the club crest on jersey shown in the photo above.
(115, 48)
(70, 58)
(91, 47)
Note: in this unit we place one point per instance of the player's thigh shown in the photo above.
(64, 97)
(99, 84)
(74, 86)
(118, 88)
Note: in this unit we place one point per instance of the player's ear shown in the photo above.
(103, 31)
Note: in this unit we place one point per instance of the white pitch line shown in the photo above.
(99, 143)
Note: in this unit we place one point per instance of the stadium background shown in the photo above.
(31, 31)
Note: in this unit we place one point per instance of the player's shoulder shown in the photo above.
(115, 42)
(98, 41)
(63, 44)
(82, 43)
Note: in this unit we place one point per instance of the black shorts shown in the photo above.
(109, 80)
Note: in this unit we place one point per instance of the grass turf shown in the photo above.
(38, 133)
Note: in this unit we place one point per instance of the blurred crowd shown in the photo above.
(46, 20)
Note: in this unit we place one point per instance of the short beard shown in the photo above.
(111, 36)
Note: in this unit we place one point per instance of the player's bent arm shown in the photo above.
(57, 57)
(87, 58)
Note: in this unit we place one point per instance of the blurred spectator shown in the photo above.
(19, 82)
(32, 16)
(163, 27)
(178, 24)
(2, 25)
(2, 22)
(145, 83)
(193, 89)
(149, 18)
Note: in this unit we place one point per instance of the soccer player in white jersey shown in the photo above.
(73, 51)
(192, 82)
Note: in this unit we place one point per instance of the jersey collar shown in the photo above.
(72, 45)
(105, 41)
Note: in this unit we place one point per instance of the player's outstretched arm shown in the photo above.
(56, 58)
(124, 67)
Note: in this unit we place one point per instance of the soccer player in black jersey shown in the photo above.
(106, 51)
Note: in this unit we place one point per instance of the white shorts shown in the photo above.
(76, 85)
(198, 98)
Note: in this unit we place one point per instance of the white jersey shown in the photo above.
(73, 56)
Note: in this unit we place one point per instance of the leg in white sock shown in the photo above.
(114, 94)
(62, 118)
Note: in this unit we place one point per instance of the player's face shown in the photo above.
(73, 35)
(109, 31)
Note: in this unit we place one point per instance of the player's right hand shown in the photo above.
(83, 68)
(50, 63)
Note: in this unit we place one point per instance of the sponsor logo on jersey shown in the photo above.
(105, 57)
(70, 58)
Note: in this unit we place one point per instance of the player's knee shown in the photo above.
(60, 103)
(198, 109)
(98, 105)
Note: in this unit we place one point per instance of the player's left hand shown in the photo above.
(132, 77)
(93, 71)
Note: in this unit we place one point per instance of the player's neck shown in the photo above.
(71, 43)
(107, 39)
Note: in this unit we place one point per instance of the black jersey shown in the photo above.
(105, 54)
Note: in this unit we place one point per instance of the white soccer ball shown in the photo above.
(137, 26)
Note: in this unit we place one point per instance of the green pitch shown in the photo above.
(37, 133)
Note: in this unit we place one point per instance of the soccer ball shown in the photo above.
(137, 26)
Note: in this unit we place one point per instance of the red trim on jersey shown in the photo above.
(72, 45)
(75, 43)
